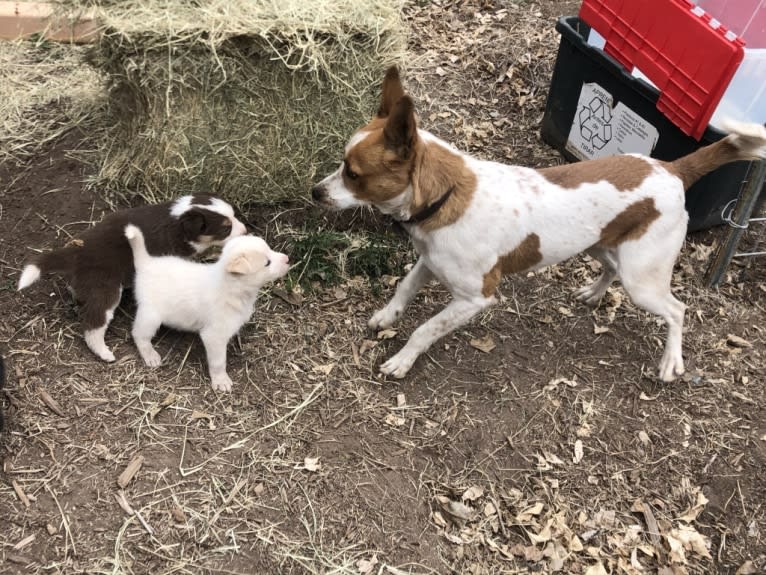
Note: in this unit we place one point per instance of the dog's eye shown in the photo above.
(351, 174)
(268, 263)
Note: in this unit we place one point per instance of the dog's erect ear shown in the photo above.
(193, 224)
(401, 130)
(391, 92)
(239, 265)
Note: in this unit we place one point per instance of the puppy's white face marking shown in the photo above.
(217, 205)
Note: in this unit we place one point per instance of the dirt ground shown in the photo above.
(536, 439)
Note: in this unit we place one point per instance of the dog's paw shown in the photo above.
(384, 318)
(589, 295)
(152, 358)
(222, 383)
(398, 365)
(106, 355)
(671, 367)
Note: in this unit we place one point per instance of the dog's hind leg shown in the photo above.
(457, 313)
(591, 294)
(97, 312)
(406, 291)
(646, 271)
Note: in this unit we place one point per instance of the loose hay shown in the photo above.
(249, 100)
(44, 91)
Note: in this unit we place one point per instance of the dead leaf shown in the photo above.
(597, 569)
(597, 329)
(565, 311)
(52, 404)
(311, 464)
(323, 369)
(696, 509)
(644, 437)
(526, 515)
(485, 344)
(386, 333)
(438, 518)
(692, 540)
(451, 537)
(292, 297)
(366, 346)
(736, 341)
(130, 471)
(552, 458)
(645, 397)
(366, 565)
(747, 568)
(394, 420)
(195, 414)
(578, 451)
(456, 509)
(473, 493)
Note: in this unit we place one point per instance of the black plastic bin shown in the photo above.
(579, 63)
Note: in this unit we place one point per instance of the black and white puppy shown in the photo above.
(99, 264)
(214, 300)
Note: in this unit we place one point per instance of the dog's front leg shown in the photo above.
(407, 289)
(457, 313)
(215, 349)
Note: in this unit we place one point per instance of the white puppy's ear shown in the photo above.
(239, 265)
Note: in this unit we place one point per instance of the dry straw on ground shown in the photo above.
(247, 99)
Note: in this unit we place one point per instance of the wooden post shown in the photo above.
(756, 175)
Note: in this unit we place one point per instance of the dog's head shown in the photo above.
(379, 159)
(249, 259)
(206, 221)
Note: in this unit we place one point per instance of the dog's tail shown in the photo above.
(61, 261)
(744, 142)
(137, 244)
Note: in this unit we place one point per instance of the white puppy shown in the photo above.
(214, 300)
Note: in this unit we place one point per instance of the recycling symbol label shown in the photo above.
(594, 121)
(601, 129)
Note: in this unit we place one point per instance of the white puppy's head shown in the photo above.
(249, 259)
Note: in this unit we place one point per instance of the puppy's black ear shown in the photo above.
(193, 224)
(401, 130)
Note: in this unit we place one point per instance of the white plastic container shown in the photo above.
(745, 97)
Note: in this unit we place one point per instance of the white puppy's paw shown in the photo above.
(152, 358)
(384, 318)
(222, 383)
(671, 367)
(399, 365)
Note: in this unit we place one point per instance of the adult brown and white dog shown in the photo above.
(99, 264)
(473, 221)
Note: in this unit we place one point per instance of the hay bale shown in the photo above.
(250, 100)
(44, 91)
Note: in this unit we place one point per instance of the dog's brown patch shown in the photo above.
(522, 257)
(373, 172)
(630, 224)
(437, 171)
(692, 167)
(623, 172)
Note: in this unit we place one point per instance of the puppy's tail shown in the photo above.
(744, 142)
(137, 244)
(61, 261)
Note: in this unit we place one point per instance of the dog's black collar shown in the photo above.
(428, 211)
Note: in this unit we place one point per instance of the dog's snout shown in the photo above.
(317, 193)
